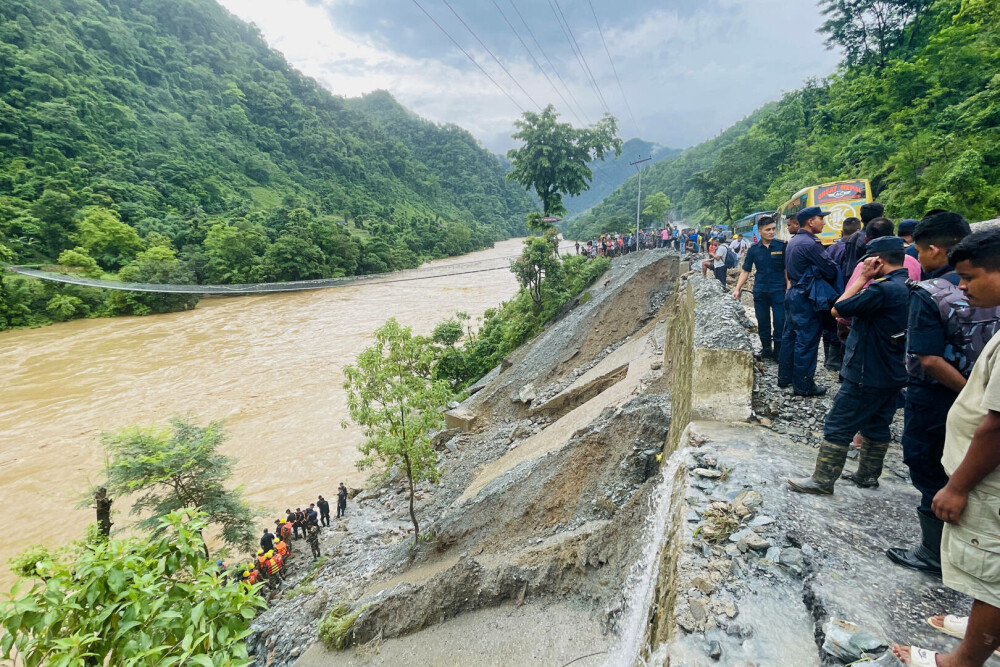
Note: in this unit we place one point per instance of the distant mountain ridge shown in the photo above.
(610, 174)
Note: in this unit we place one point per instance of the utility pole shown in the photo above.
(638, 203)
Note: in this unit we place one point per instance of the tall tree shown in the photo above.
(657, 205)
(392, 395)
(869, 30)
(166, 469)
(554, 156)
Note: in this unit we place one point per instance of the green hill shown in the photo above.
(609, 174)
(920, 119)
(140, 124)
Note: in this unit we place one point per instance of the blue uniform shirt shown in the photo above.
(926, 336)
(770, 264)
(873, 357)
(805, 250)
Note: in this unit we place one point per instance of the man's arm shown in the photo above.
(868, 271)
(817, 255)
(982, 458)
(942, 371)
(744, 275)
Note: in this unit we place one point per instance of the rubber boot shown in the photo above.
(834, 353)
(829, 464)
(927, 556)
(869, 463)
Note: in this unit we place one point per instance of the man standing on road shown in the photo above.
(873, 371)
(805, 265)
(945, 338)
(768, 256)
(969, 502)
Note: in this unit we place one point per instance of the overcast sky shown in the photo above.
(689, 68)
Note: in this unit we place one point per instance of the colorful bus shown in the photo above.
(748, 226)
(843, 199)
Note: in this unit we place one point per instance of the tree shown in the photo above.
(145, 600)
(158, 265)
(392, 395)
(657, 205)
(554, 157)
(77, 258)
(538, 260)
(106, 238)
(869, 30)
(166, 469)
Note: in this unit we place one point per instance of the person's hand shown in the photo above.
(949, 504)
(870, 268)
(736, 294)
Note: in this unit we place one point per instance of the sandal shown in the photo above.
(921, 657)
(954, 626)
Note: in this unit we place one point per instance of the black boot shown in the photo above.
(767, 352)
(777, 350)
(834, 353)
(927, 556)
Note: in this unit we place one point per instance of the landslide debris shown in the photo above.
(545, 488)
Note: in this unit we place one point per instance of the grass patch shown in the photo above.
(720, 524)
(301, 589)
(337, 629)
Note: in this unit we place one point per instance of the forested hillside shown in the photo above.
(915, 108)
(166, 139)
(610, 174)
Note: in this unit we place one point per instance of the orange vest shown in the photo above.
(285, 530)
(282, 549)
(254, 577)
(273, 565)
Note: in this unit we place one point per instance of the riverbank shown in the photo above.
(269, 365)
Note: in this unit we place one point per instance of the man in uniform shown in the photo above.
(805, 263)
(944, 340)
(312, 535)
(324, 511)
(341, 500)
(768, 256)
(873, 371)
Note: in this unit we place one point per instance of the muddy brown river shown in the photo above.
(270, 366)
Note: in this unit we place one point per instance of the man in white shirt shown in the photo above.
(970, 503)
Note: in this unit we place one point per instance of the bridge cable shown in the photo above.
(483, 44)
(469, 56)
(549, 61)
(613, 68)
(537, 64)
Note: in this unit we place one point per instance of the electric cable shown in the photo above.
(469, 56)
(575, 48)
(482, 44)
(531, 33)
(621, 89)
(537, 64)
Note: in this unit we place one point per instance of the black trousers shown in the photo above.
(341, 508)
(923, 446)
(324, 518)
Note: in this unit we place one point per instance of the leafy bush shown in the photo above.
(337, 628)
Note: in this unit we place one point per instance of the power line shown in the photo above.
(482, 44)
(575, 47)
(537, 64)
(583, 114)
(469, 56)
(613, 68)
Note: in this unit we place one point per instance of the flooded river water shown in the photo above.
(270, 366)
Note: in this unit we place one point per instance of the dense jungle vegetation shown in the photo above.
(915, 108)
(166, 142)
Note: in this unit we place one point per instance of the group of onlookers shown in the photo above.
(907, 314)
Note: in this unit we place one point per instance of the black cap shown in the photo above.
(906, 227)
(810, 212)
(883, 244)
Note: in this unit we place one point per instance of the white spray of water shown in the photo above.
(640, 585)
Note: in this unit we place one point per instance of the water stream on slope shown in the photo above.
(270, 365)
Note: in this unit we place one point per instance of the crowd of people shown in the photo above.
(681, 239)
(907, 315)
(268, 565)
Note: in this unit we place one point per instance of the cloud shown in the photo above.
(688, 69)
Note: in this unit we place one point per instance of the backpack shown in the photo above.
(731, 258)
(967, 329)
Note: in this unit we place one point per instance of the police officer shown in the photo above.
(768, 256)
(940, 355)
(873, 371)
(805, 260)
